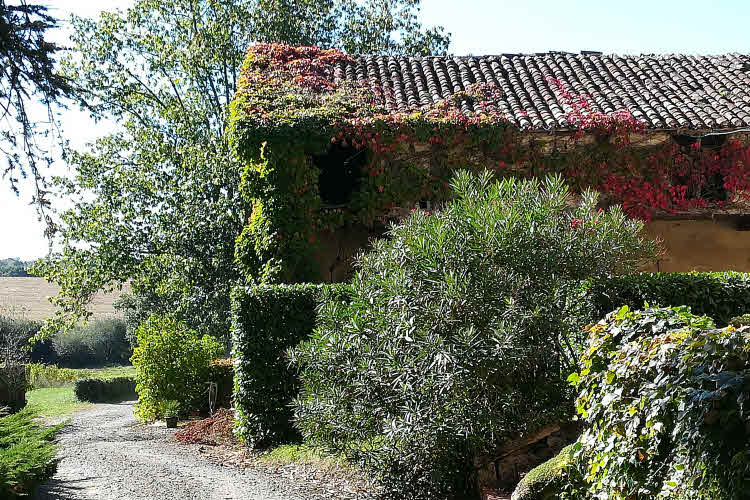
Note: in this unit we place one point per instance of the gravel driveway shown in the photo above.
(106, 455)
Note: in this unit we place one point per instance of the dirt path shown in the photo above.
(106, 455)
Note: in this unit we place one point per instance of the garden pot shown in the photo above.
(171, 422)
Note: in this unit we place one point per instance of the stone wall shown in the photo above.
(719, 243)
(515, 458)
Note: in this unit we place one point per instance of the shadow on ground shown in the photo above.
(61, 489)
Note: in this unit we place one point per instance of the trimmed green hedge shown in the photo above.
(268, 320)
(720, 296)
(95, 390)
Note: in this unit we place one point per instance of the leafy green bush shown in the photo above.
(720, 296)
(172, 363)
(100, 342)
(665, 399)
(40, 376)
(97, 390)
(27, 455)
(739, 321)
(267, 320)
(459, 330)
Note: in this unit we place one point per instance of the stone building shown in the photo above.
(689, 105)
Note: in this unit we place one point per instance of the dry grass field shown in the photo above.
(31, 295)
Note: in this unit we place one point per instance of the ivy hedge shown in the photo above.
(720, 296)
(664, 396)
(268, 320)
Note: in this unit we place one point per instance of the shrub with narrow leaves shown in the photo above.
(27, 454)
(460, 327)
(666, 400)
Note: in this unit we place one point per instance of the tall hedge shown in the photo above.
(268, 320)
(720, 296)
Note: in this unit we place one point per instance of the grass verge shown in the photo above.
(303, 454)
(54, 402)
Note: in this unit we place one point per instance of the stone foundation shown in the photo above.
(505, 468)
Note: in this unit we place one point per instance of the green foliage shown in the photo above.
(739, 321)
(156, 203)
(459, 329)
(268, 320)
(720, 296)
(30, 87)
(665, 398)
(15, 334)
(13, 268)
(96, 390)
(546, 481)
(27, 455)
(99, 342)
(40, 376)
(221, 373)
(172, 362)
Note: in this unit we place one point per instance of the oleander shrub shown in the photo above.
(460, 330)
(27, 454)
(173, 363)
(665, 399)
(99, 342)
(97, 390)
(268, 320)
(720, 296)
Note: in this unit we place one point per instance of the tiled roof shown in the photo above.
(669, 92)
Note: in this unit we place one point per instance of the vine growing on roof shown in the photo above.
(289, 108)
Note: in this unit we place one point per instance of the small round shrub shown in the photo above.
(460, 327)
(665, 398)
(173, 363)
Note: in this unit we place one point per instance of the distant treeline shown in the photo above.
(14, 268)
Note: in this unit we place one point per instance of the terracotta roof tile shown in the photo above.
(666, 92)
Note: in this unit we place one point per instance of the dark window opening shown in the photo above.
(340, 173)
(684, 140)
(713, 141)
(713, 188)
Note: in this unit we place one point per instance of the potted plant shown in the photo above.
(170, 413)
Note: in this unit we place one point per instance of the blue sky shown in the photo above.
(478, 27)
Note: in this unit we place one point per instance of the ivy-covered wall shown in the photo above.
(290, 122)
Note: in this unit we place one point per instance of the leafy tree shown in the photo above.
(165, 210)
(13, 267)
(28, 77)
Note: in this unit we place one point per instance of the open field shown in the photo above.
(32, 296)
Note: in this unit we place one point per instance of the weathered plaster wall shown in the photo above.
(701, 245)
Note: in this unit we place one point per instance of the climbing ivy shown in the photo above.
(289, 109)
